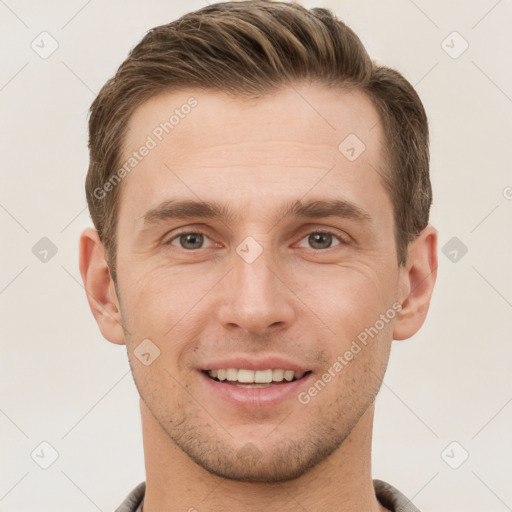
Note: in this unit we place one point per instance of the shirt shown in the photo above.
(387, 495)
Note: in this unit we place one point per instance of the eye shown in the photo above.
(322, 239)
(193, 240)
(189, 240)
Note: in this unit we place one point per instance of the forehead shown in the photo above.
(208, 143)
(309, 113)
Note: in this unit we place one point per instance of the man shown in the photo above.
(260, 192)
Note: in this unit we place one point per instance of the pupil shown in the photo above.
(191, 237)
(318, 237)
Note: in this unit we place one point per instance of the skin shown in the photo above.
(304, 300)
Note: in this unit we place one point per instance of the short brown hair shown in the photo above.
(252, 48)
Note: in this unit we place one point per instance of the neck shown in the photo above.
(340, 483)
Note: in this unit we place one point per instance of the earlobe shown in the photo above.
(99, 286)
(417, 281)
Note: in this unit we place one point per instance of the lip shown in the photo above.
(252, 398)
(253, 363)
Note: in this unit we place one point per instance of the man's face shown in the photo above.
(258, 291)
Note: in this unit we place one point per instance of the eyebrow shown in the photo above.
(189, 209)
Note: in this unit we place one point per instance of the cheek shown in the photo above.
(348, 298)
(167, 306)
(161, 387)
(159, 298)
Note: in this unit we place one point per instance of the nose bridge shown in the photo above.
(252, 268)
(256, 298)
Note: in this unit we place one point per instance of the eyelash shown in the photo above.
(316, 231)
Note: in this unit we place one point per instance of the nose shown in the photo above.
(256, 296)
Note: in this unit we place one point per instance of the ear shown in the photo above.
(99, 286)
(417, 279)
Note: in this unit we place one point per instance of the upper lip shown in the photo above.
(256, 363)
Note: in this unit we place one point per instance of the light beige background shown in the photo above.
(62, 383)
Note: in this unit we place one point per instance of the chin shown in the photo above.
(281, 462)
(256, 472)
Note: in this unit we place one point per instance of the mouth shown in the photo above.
(253, 379)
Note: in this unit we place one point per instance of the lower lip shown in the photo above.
(254, 398)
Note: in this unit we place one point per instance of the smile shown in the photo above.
(254, 378)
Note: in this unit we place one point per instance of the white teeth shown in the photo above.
(278, 375)
(262, 376)
(231, 374)
(288, 375)
(245, 376)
